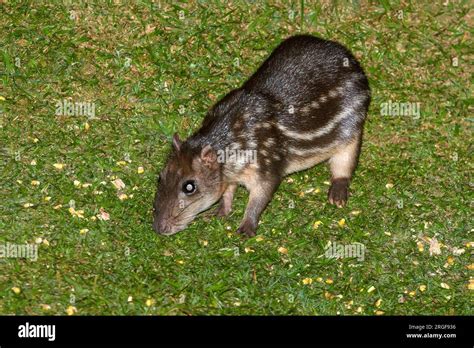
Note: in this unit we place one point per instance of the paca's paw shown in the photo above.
(247, 228)
(222, 211)
(338, 192)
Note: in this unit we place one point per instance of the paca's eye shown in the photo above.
(189, 187)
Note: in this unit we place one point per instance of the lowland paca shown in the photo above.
(304, 105)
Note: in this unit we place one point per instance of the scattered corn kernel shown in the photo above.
(445, 286)
(59, 166)
(71, 310)
(119, 184)
(328, 295)
(76, 213)
(317, 224)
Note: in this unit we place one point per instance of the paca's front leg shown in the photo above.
(259, 196)
(225, 204)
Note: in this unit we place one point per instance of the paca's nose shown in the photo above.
(155, 226)
(161, 226)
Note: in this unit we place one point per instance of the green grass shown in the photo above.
(151, 73)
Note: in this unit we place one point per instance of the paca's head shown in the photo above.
(189, 184)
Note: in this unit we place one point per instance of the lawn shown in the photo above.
(145, 70)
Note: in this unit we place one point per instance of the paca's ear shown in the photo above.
(208, 156)
(176, 142)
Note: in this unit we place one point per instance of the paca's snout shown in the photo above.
(160, 225)
(156, 226)
(164, 226)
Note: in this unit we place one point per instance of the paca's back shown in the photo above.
(303, 67)
(315, 97)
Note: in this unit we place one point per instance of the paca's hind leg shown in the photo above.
(342, 165)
